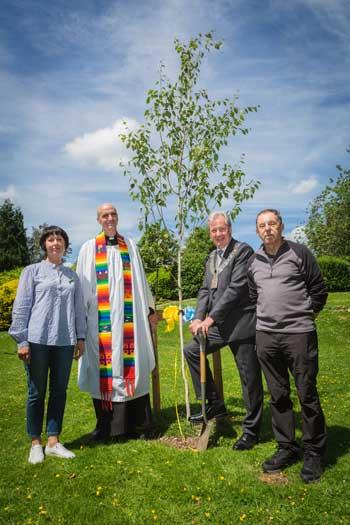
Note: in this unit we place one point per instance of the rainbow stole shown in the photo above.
(104, 322)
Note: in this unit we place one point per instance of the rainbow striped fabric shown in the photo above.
(104, 321)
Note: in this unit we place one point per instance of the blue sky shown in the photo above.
(70, 71)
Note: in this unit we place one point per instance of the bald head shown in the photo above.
(107, 216)
(105, 206)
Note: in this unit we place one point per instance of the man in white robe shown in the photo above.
(128, 414)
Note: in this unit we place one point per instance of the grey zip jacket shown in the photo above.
(287, 288)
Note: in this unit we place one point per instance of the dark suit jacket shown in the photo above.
(228, 304)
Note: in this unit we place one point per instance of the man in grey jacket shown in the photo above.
(286, 284)
(226, 316)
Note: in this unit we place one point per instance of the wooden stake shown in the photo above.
(155, 371)
(217, 372)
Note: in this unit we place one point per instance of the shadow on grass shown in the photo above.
(167, 417)
(162, 421)
(238, 414)
(338, 440)
(338, 436)
(160, 424)
(229, 427)
(338, 443)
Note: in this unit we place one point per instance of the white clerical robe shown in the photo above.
(88, 370)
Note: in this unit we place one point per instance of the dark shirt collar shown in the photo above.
(228, 249)
(283, 248)
(111, 241)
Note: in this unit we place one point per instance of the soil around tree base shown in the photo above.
(187, 443)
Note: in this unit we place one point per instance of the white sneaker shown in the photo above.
(36, 454)
(59, 451)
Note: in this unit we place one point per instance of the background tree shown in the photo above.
(35, 252)
(158, 251)
(157, 247)
(13, 241)
(328, 225)
(176, 154)
(161, 270)
(198, 246)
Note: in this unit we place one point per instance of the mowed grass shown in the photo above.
(144, 482)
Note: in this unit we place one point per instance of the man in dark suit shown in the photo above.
(226, 316)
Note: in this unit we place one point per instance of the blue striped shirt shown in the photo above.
(49, 306)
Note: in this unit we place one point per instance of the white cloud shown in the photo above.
(304, 186)
(8, 193)
(101, 148)
(297, 235)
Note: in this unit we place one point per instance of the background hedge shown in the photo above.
(336, 273)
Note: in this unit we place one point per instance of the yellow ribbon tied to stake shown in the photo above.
(170, 314)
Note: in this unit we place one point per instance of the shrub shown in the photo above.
(7, 296)
(336, 273)
(193, 265)
(10, 275)
(164, 285)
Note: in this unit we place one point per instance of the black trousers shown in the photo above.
(278, 353)
(125, 418)
(249, 370)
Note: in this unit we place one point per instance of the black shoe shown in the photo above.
(98, 436)
(313, 467)
(142, 436)
(281, 459)
(245, 442)
(217, 410)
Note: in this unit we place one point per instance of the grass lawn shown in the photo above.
(144, 482)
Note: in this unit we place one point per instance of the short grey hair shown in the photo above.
(277, 213)
(215, 214)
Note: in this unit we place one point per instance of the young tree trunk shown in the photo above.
(183, 369)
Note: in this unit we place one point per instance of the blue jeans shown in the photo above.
(44, 359)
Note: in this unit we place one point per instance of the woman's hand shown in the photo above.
(24, 354)
(79, 349)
